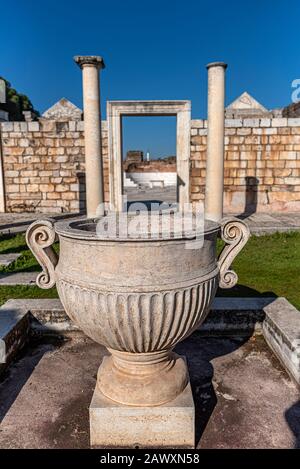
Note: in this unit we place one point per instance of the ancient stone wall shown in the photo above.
(43, 164)
(262, 164)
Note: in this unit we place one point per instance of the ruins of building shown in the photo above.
(42, 161)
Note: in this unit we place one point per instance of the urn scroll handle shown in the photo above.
(235, 233)
(40, 237)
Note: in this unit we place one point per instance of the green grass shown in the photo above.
(24, 291)
(25, 263)
(267, 266)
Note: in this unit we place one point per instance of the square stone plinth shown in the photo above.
(170, 425)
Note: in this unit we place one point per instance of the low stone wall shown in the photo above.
(43, 166)
(262, 164)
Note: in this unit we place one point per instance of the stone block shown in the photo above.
(23, 142)
(12, 188)
(270, 131)
(293, 122)
(170, 425)
(7, 126)
(80, 126)
(292, 180)
(33, 126)
(46, 188)
(56, 151)
(281, 330)
(62, 187)
(72, 126)
(250, 122)
(67, 142)
(230, 131)
(197, 140)
(61, 159)
(284, 131)
(233, 123)
(243, 131)
(197, 123)
(279, 122)
(11, 174)
(69, 195)
(14, 330)
(33, 188)
(265, 122)
(53, 196)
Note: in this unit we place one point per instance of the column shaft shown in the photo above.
(92, 133)
(214, 186)
(90, 66)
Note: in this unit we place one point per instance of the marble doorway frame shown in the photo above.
(118, 109)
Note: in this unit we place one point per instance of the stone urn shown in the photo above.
(137, 297)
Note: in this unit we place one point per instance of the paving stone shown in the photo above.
(7, 259)
(18, 278)
(243, 397)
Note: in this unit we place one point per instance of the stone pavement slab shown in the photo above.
(12, 223)
(243, 397)
(7, 259)
(268, 223)
(18, 278)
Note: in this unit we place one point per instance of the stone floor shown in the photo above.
(244, 398)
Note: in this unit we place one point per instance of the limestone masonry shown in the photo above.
(43, 164)
(262, 164)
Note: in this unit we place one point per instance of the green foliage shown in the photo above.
(16, 103)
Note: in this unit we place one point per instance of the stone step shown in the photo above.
(281, 329)
(14, 331)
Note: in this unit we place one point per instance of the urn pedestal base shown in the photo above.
(170, 425)
(142, 379)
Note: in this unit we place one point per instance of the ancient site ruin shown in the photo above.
(149, 301)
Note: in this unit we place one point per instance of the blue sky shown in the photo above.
(154, 49)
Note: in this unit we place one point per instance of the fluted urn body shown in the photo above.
(137, 297)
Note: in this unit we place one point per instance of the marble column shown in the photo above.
(214, 186)
(90, 66)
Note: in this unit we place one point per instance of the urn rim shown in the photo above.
(85, 229)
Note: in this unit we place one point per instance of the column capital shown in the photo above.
(216, 64)
(94, 60)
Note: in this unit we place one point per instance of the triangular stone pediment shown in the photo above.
(63, 109)
(244, 102)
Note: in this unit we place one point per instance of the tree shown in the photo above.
(16, 103)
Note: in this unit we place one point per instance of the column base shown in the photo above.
(170, 425)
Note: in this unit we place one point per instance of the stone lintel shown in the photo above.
(94, 60)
